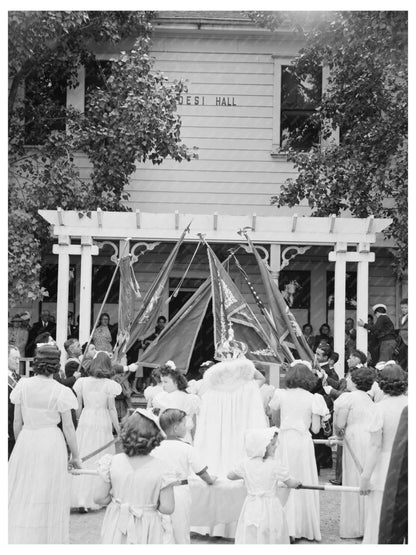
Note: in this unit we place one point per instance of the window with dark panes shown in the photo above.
(45, 105)
(299, 99)
(96, 74)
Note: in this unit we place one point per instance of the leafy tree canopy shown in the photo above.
(130, 117)
(366, 100)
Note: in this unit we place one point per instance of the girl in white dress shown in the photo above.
(352, 411)
(382, 427)
(262, 519)
(154, 389)
(175, 396)
(137, 487)
(39, 482)
(300, 411)
(97, 418)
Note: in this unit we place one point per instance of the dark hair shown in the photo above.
(101, 366)
(155, 376)
(170, 417)
(325, 347)
(404, 301)
(307, 325)
(102, 316)
(334, 356)
(358, 354)
(43, 337)
(139, 435)
(69, 342)
(47, 360)
(84, 346)
(323, 326)
(299, 375)
(162, 318)
(176, 376)
(349, 319)
(381, 310)
(363, 378)
(393, 380)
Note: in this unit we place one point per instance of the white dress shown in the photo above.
(150, 393)
(184, 460)
(177, 399)
(262, 519)
(94, 430)
(297, 453)
(132, 517)
(351, 410)
(382, 427)
(39, 481)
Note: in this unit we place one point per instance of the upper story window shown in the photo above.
(96, 73)
(295, 100)
(44, 105)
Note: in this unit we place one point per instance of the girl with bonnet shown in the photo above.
(300, 411)
(262, 519)
(39, 483)
(137, 487)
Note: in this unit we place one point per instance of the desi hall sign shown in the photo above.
(189, 100)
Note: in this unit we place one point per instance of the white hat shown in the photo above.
(150, 416)
(379, 305)
(299, 361)
(257, 439)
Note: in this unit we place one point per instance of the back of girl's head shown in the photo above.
(393, 380)
(176, 376)
(299, 375)
(363, 378)
(47, 359)
(169, 417)
(101, 366)
(139, 435)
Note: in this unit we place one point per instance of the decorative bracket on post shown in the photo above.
(286, 258)
(147, 247)
(114, 257)
(264, 254)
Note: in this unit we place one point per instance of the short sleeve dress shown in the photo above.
(132, 516)
(296, 451)
(262, 518)
(94, 431)
(39, 482)
(352, 412)
(188, 402)
(382, 426)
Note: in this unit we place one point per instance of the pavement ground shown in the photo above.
(85, 528)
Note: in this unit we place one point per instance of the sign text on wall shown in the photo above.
(188, 100)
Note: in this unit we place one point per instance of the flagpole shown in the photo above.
(127, 239)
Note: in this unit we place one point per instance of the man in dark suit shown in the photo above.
(13, 378)
(44, 325)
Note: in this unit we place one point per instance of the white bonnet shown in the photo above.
(257, 439)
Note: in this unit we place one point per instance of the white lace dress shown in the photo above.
(39, 482)
(94, 430)
(296, 451)
(132, 516)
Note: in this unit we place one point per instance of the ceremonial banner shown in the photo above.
(177, 340)
(230, 309)
(129, 292)
(145, 321)
(289, 334)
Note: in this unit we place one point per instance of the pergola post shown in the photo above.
(365, 256)
(87, 250)
(62, 250)
(275, 263)
(339, 257)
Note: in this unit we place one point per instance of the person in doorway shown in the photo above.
(383, 329)
(44, 325)
(403, 335)
(323, 337)
(307, 330)
(18, 334)
(103, 335)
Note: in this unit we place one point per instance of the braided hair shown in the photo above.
(47, 359)
(393, 380)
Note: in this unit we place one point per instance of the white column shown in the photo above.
(275, 261)
(339, 257)
(62, 250)
(87, 250)
(365, 256)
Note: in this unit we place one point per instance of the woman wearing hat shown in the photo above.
(39, 483)
(384, 331)
(19, 335)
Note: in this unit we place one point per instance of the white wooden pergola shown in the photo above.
(350, 238)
